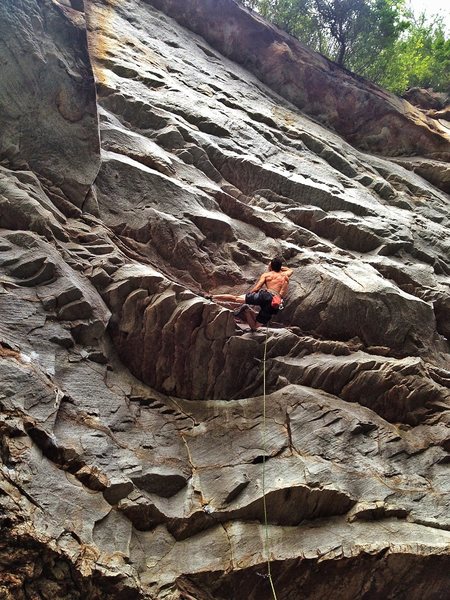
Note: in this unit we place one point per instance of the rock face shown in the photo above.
(363, 113)
(136, 439)
(47, 96)
(426, 98)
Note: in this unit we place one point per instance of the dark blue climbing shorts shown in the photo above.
(262, 298)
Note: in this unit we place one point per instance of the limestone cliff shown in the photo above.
(152, 151)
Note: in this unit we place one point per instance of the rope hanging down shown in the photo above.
(266, 526)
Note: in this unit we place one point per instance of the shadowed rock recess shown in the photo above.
(152, 150)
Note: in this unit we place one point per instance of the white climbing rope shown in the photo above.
(266, 526)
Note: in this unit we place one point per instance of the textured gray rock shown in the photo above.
(47, 96)
(379, 121)
(131, 408)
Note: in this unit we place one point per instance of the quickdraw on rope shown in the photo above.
(266, 526)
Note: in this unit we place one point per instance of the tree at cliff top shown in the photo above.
(378, 39)
(350, 32)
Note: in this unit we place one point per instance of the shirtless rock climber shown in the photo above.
(275, 283)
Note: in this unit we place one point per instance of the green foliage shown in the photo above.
(385, 22)
(378, 39)
(422, 58)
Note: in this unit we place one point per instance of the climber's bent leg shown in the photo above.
(250, 317)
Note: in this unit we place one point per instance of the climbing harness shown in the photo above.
(266, 526)
(277, 301)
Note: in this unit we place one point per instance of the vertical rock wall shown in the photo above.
(47, 95)
(132, 435)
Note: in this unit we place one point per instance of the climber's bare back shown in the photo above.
(275, 281)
